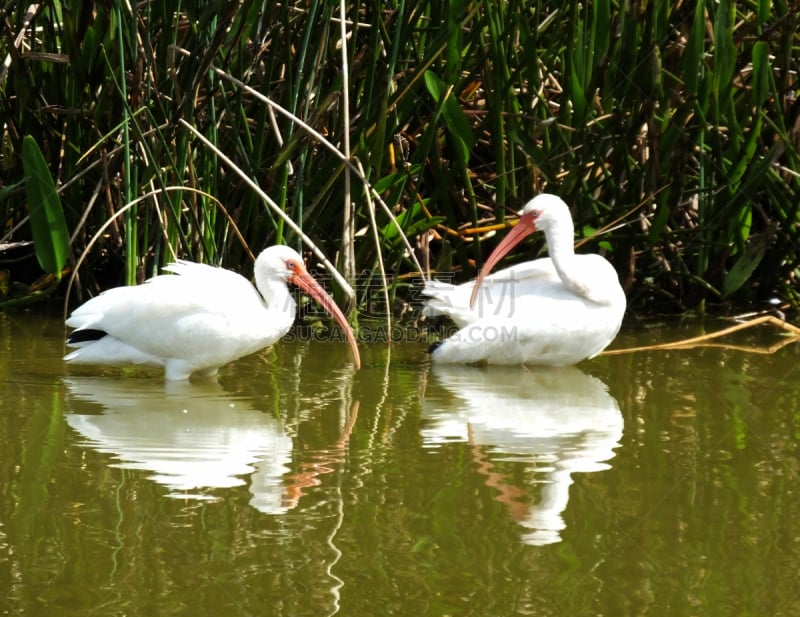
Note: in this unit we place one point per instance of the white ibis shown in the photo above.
(552, 311)
(198, 318)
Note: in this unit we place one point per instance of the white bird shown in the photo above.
(198, 318)
(553, 311)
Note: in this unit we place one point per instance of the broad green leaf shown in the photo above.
(761, 69)
(578, 95)
(48, 226)
(457, 124)
(601, 26)
(659, 222)
(455, 45)
(744, 267)
(404, 219)
(580, 56)
(747, 152)
(579, 72)
(389, 181)
(724, 49)
(413, 221)
(693, 54)
(764, 10)
(422, 225)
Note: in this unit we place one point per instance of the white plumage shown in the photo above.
(552, 311)
(197, 318)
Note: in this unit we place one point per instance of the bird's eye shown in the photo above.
(535, 213)
(291, 264)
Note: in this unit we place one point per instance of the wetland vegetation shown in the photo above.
(392, 133)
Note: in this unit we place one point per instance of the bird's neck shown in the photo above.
(560, 245)
(278, 300)
(581, 276)
(562, 251)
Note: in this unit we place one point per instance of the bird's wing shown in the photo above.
(595, 279)
(539, 324)
(164, 314)
(497, 293)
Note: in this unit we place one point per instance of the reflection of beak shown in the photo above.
(306, 282)
(525, 227)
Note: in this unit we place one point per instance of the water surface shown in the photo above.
(662, 483)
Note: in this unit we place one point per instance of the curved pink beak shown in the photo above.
(525, 227)
(306, 282)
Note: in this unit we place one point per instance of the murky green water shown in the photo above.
(648, 484)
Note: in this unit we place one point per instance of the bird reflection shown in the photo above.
(191, 438)
(557, 420)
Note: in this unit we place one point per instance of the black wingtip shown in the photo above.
(85, 335)
(434, 346)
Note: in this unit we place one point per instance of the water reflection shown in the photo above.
(708, 472)
(557, 421)
(192, 438)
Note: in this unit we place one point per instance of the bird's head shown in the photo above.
(540, 213)
(282, 263)
(543, 212)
